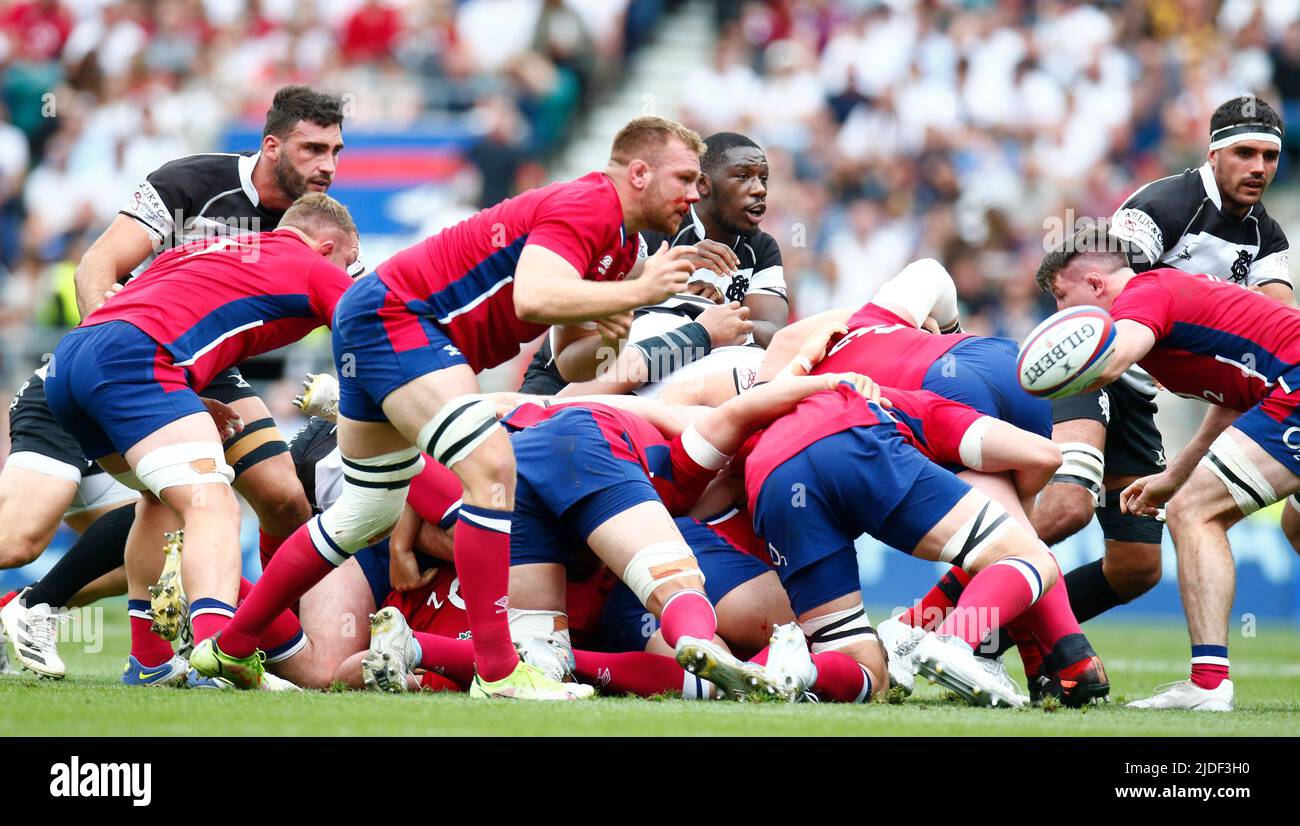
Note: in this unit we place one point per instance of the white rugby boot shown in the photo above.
(900, 641)
(789, 663)
(950, 662)
(33, 631)
(1188, 695)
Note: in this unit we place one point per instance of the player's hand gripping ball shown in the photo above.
(1067, 352)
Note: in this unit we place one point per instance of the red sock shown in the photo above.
(995, 596)
(146, 646)
(632, 672)
(840, 678)
(208, 616)
(1209, 665)
(296, 568)
(1051, 617)
(451, 657)
(934, 606)
(267, 545)
(430, 681)
(688, 614)
(481, 548)
(283, 631)
(4, 600)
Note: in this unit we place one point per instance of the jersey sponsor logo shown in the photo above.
(604, 264)
(1139, 228)
(147, 205)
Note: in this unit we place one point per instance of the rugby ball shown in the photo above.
(1066, 352)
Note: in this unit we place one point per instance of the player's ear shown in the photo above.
(271, 146)
(638, 174)
(325, 246)
(704, 184)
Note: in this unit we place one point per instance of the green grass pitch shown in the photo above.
(1266, 674)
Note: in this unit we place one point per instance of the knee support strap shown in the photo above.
(657, 564)
(461, 425)
(838, 629)
(1227, 460)
(374, 492)
(1082, 465)
(187, 463)
(974, 537)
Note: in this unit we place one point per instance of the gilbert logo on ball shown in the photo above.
(1066, 352)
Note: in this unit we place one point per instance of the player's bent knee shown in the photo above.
(1246, 485)
(978, 539)
(461, 426)
(18, 549)
(183, 464)
(372, 499)
(659, 565)
(849, 631)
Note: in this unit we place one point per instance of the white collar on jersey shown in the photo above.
(246, 164)
(1211, 185)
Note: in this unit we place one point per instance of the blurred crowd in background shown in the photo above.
(894, 129)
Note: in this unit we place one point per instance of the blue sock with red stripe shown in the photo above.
(1209, 665)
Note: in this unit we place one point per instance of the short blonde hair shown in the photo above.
(643, 138)
(317, 212)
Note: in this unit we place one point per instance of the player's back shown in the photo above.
(887, 348)
(463, 277)
(229, 299)
(1216, 340)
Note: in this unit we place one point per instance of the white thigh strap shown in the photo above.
(1227, 460)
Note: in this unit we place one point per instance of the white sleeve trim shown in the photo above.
(1275, 267)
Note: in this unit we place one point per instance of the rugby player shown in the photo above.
(688, 334)
(1224, 344)
(1209, 220)
(46, 477)
(123, 384)
(407, 346)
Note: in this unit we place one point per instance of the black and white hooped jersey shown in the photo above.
(199, 196)
(1177, 222)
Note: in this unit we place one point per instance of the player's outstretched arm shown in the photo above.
(728, 426)
(548, 290)
(1132, 342)
(113, 255)
(994, 446)
(1146, 495)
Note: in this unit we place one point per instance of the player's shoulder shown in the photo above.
(1171, 194)
(216, 168)
(1270, 231)
(765, 249)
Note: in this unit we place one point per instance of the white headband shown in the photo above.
(1229, 135)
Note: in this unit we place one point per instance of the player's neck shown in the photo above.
(713, 230)
(269, 195)
(1233, 209)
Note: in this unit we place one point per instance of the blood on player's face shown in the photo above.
(672, 187)
(308, 158)
(1243, 170)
